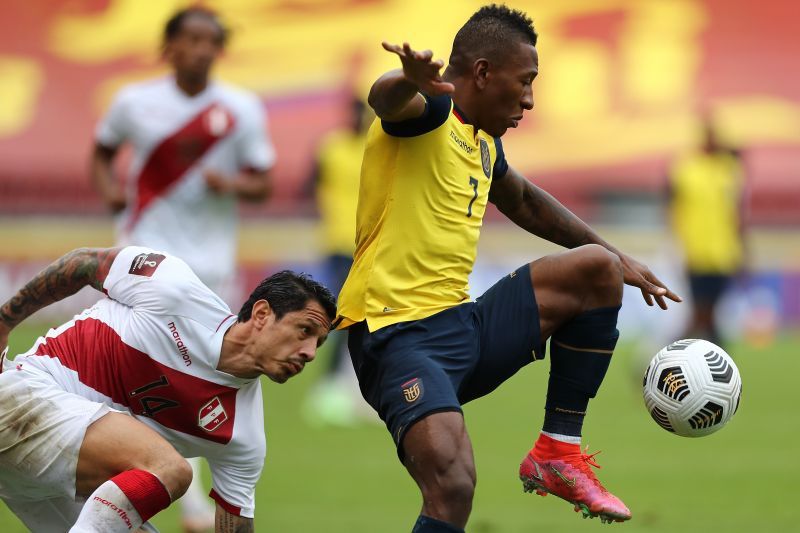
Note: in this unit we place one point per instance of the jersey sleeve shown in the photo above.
(158, 282)
(500, 164)
(236, 469)
(255, 149)
(112, 130)
(437, 109)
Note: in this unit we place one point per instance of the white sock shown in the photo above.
(571, 439)
(107, 510)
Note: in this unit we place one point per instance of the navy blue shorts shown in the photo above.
(708, 288)
(412, 369)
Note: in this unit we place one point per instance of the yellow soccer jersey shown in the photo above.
(423, 193)
(706, 197)
(337, 192)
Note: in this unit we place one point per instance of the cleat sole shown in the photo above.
(530, 485)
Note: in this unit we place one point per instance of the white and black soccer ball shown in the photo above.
(692, 388)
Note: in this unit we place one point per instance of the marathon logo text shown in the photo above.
(462, 143)
(184, 351)
(121, 512)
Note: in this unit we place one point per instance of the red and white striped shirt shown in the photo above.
(152, 348)
(175, 138)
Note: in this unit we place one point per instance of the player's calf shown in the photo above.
(123, 503)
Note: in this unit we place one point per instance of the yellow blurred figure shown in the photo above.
(706, 197)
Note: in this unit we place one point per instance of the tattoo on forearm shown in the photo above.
(558, 224)
(63, 278)
(541, 214)
(228, 523)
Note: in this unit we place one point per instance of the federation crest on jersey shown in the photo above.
(145, 264)
(412, 390)
(217, 121)
(486, 158)
(212, 415)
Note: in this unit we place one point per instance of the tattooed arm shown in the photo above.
(65, 277)
(539, 213)
(536, 211)
(230, 523)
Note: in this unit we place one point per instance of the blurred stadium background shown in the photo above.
(622, 87)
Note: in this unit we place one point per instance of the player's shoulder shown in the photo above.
(174, 278)
(437, 111)
(144, 89)
(238, 97)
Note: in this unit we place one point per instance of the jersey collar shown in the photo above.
(462, 118)
(460, 114)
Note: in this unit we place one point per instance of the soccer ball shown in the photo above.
(692, 388)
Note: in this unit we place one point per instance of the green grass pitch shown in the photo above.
(743, 478)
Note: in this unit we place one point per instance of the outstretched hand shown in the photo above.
(420, 69)
(638, 275)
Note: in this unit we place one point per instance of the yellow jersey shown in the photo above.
(423, 193)
(339, 170)
(706, 203)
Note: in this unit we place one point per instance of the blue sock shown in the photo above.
(580, 352)
(426, 524)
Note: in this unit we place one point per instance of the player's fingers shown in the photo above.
(389, 47)
(424, 56)
(669, 294)
(647, 298)
(661, 302)
(443, 87)
(673, 296)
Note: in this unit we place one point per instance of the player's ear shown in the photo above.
(261, 312)
(480, 72)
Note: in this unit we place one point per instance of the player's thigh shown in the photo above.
(507, 320)
(118, 442)
(438, 448)
(41, 430)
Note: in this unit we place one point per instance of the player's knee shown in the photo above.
(174, 472)
(455, 485)
(179, 478)
(603, 272)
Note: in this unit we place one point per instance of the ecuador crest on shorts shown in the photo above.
(212, 415)
(412, 390)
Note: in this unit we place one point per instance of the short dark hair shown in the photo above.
(175, 22)
(489, 32)
(287, 291)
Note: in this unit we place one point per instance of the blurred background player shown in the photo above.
(706, 196)
(199, 146)
(97, 415)
(335, 400)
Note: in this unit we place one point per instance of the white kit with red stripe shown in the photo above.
(175, 138)
(152, 348)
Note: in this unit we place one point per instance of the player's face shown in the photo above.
(509, 90)
(285, 346)
(193, 50)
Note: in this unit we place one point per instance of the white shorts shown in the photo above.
(41, 431)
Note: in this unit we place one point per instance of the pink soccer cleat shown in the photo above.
(562, 469)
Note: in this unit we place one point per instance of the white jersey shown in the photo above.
(175, 138)
(152, 348)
